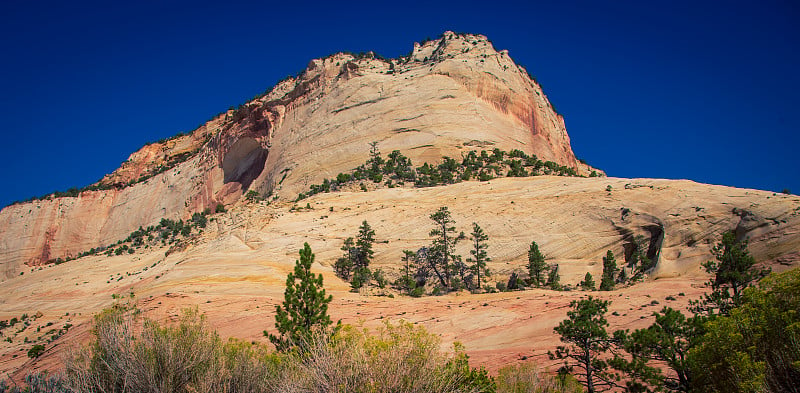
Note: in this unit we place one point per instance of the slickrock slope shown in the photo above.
(235, 271)
(450, 95)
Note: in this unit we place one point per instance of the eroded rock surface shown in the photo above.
(236, 270)
(451, 95)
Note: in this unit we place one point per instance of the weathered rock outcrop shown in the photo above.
(450, 95)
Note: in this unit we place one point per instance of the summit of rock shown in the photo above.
(449, 96)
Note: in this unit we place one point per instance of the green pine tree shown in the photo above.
(305, 305)
(588, 282)
(609, 272)
(442, 254)
(734, 270)
(537, 268)
(668, 341)
(584, 333)
(407, 281)
(479, 255)
(362, 256)
(554, 279)
(344, 265)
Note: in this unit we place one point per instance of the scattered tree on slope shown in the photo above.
(305, 306)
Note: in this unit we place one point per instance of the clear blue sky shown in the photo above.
(696, 90)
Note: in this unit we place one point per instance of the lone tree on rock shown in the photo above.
(479, 256)
(442, 253)
(584, 333)
(609, 272)
(305, 305)
(363, 255)
(537, 268)
(357, 256)
(734, 270)
(588, 282)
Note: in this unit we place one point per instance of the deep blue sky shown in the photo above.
(699, 90)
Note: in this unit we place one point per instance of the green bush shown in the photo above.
(757, 347)
(36, 351)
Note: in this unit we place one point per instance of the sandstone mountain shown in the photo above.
(449, 96)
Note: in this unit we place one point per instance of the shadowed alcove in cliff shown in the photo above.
(244, 162)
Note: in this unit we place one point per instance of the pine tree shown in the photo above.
(344, 265)
(441, 255)
(305, 305)
(584, 332)
(363, 256)
(667, 341)
(374, 163)
(553, 279)
(407, 282)
(588, 282)
(536, 266)
(733, 271)
(479, 255)
(609, 272)
(366, 236)
(639, 262)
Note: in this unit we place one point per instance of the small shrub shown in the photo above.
(35, 351)
(252, 196)
(417, 292)
(38, 383)
(526, 377)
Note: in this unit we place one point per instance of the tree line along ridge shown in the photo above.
(397, 170)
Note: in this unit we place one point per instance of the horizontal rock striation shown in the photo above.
(450, 95)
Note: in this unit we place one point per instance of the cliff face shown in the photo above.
(450, 95)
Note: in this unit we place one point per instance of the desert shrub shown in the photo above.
(131, 353)
(396, 358)
(251, 367)
(38, 383)
(526, 377)
(35, 351)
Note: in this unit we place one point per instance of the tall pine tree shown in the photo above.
(609, 272)
(442, 252)
(344, 265)
(734, 270)
(479, 255)
(586, 340)
(305, 305)
(537, 268)
(363, 255)
(554, 279)
(588, 282)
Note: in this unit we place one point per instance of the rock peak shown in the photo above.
(447, 97)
